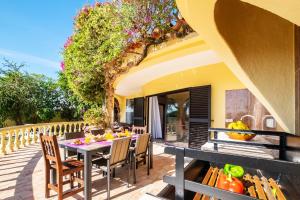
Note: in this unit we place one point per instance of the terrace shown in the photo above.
(175, 96)
(22, 177)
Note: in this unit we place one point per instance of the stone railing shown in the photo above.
(16, 137)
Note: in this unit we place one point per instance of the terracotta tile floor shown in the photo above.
(22, 177)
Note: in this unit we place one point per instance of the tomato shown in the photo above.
(230, 183)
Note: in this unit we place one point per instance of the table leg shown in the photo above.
(87, 176)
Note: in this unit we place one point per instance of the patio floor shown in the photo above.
(22, 177)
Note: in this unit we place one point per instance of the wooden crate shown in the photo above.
(253, 184)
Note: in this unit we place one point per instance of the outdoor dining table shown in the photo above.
(87, 150)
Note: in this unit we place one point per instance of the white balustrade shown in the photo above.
(16, 137)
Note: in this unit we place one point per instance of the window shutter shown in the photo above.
(200, 115)
(138, 112)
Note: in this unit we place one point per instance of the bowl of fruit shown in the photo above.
(239, 125)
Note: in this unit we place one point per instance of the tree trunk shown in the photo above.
(109, 101)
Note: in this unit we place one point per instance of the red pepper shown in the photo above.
(230, 183)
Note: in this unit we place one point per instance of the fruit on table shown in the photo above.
(121, 134)
(87, 140)
(77, 142)
(109, 136)
(239, 125)
(227, 182)
(235, 170)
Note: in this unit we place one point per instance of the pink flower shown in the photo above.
(68, 42)
(62, 66)
(97, 4)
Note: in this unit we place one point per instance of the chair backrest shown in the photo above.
(97, 131)
(119, 150)
(50, 149)
(141, 144)
(139, 129)
(73, 135)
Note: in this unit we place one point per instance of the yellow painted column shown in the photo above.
(3, 143)
(23, 140)
(10, 143)
(16, 142)
(28, 136)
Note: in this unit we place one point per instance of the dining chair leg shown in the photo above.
(71, 181)
(108, 179)
(134, 169)
(78, 174)
(128, 178)
(148, 162)
(114, 172)
(47, 181)
(130, 159)
(60, 187)
(65, 153)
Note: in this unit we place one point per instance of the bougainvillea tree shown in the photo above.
(110, 38)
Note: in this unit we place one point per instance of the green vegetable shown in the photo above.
(234, 170)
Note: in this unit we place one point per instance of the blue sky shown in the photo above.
(34, 31)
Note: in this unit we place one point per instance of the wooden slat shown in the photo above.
(212, 181)
(204, 181)
(279, 193)
(256, 190)
(251, 189)
(267, 188)
(259, 188)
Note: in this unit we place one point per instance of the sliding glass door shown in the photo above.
(177, 117)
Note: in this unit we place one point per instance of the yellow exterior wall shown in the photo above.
(172, 49)
(217, 75)
(255, 44)
(265, 50)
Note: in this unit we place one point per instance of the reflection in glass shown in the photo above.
(177, 117)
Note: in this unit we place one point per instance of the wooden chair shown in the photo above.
(68, 136)
(139, 129)
(97, 131)
(139, 152)
(118, 156)
(53, 161)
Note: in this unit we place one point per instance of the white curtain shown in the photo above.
(154, 118)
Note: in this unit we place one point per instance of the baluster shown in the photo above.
(60, 130)
(3, 143)
(70, 127)
(55, 129)
(65, 129)
(48, 131)
(77, 127)
(23, 141)
(34, 135)
(45, 130)
(28, 136)
(10, 144)
(17, 143)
